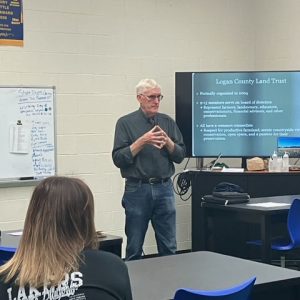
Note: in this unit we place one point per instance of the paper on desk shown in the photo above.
(233, 170)
(269, 204)
(15, 233)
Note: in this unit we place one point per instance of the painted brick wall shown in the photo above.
(95, 52)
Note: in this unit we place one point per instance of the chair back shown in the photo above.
(6, 253)
(294, 222)
(238, 292)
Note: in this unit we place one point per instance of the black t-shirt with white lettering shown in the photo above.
(102, 276)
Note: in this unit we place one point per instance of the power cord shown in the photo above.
(182, 183)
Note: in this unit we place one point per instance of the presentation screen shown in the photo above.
(237, 114)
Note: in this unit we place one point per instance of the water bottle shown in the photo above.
(285, 162)
(278, 164)
(273, 162)
(271, 165)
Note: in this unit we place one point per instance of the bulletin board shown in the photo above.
(27, 133)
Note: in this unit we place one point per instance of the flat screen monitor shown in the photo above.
(289, 144)
(237, 114)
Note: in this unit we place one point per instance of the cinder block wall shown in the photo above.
(95, 51)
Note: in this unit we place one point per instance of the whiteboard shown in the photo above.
(27, 133)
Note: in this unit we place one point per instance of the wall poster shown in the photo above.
(11, 23)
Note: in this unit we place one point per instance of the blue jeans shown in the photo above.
(145, 202)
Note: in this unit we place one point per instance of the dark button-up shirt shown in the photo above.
(150, 161)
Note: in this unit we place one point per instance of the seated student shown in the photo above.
(57, 257)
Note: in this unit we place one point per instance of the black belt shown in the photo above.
(152, 180)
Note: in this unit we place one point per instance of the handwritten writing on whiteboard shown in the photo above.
(36, 105)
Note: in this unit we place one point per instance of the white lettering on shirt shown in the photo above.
(66, 288)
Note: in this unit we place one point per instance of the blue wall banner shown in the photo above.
(11, 23)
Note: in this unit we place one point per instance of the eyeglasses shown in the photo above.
(153, 97)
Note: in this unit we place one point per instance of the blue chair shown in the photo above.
(6, 253)
(239, 292)
(293, 226)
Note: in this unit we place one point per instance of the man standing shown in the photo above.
(146, 145)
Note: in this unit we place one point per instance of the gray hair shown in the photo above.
(146, 84)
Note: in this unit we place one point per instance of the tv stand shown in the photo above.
(244, 163)
(199, 163)
(256, 184)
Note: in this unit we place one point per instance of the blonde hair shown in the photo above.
(59, 224)
(146, 84)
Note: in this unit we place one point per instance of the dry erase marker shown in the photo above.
(27, 178)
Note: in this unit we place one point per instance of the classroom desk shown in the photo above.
(266, 217)
(158, 278)
(110, 243)
(256, 184)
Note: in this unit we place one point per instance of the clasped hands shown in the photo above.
(156, 137)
